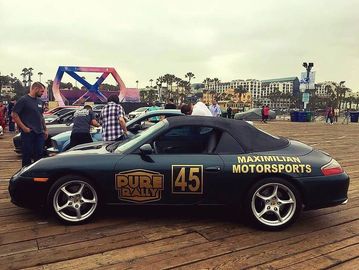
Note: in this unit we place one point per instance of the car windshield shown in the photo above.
(140, 136)
(142, 109)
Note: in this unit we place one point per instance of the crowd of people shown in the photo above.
(332, 115)
(27, 114)
(5, 115)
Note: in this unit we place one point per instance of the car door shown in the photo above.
(180, 171)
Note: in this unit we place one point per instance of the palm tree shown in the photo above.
(206, 82)
(151, 95)
(23, 74)
(169, 80)
(137, 84)
(159, 82)
(143, 95)
(29, 73)
(151, 80)
(189, 75)
(40, 74)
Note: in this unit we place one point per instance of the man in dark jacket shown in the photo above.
(83, 120)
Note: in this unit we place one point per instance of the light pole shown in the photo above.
(308, 67)
(40, 74)
(341, 85)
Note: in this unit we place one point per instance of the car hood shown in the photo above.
(88, 148)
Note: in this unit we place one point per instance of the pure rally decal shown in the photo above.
(270, 164)
(139, 186)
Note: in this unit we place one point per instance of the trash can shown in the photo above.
(354, 117)
(309, 116)
(302, 117)
(294, 116)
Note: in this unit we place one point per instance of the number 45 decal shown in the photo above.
(187, 179)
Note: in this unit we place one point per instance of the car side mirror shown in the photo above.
(135, 128)
(146, 149)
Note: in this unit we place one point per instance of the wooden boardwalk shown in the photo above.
(189, 238)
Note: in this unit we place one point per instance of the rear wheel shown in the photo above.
(273, 204)
(73, 199)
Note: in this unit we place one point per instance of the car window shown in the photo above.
(187, 140)
(140, 137)
(228, 145)
(63, 111)
(149, 121)
(142, 109)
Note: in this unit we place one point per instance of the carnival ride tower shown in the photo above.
(92, 89)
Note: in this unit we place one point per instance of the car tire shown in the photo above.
(273, 204)
(73, 199)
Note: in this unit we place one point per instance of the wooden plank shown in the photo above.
(131, 244)
(313, 253)
(20, 247)
(326, 231)
(220, 247)
(347, 265)
(330, 259)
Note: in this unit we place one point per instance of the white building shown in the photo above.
(261, 90)
(324, 89)
(7, 90)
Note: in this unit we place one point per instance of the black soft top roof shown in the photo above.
(250, 138)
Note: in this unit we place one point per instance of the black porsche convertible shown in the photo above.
(187, 160)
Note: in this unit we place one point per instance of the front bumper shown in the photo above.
(324, 191)
(52, 151)
(24, 192)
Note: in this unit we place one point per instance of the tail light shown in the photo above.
(332, 168)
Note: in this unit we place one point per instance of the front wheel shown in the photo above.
(273, 204)
(73, 199)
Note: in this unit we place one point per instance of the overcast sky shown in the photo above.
(227, 39)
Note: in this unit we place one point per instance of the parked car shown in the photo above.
(138, 112)
(182, 160)
(54, 110)
(60, 116)
(61, 142)
(253, 115)
(98, 107)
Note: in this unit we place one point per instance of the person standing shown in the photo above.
(170, 104)
(266, 111)
(262, 113)
(2, 115)
(83, 119)
(112, 119)
(336, 114)
(153, 107)
(229, 112)
(329, 115)
(10, 107)
(200, 109)
(346, 116)
(27, 114)
(215, 109)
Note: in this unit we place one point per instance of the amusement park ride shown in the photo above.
(92, 89)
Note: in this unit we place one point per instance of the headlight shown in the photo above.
(25, 169)
(54, 144)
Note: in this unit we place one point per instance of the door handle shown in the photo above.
(213, 169)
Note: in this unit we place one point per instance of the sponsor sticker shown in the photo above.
(187, 179)
(270, 164)
(139, 186)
